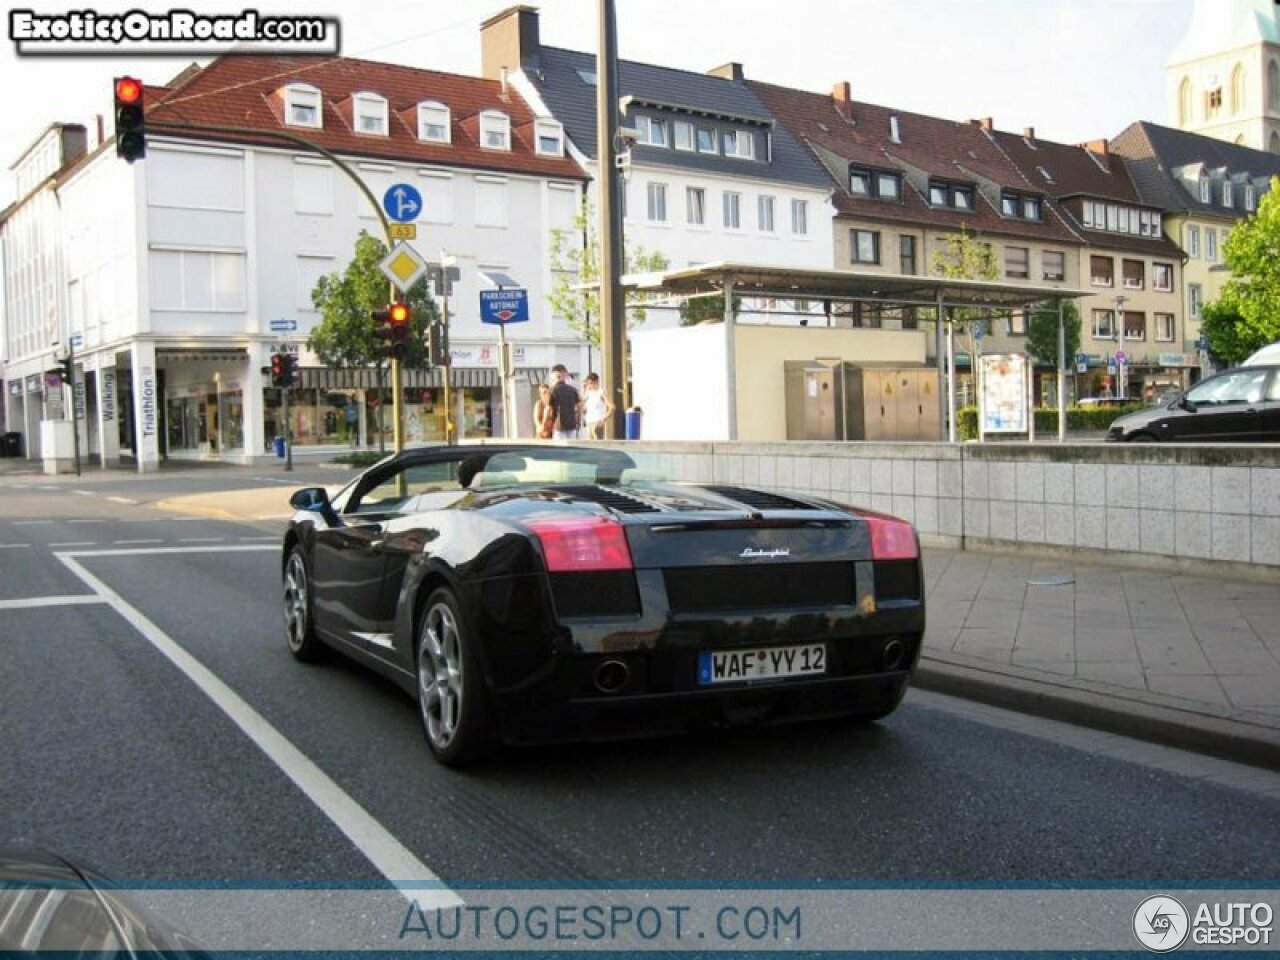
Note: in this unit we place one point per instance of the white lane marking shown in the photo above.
(83, 493)
(273, 539)
(392, 859)
(201, 539)
(157, 551)
(31, 523)
(86, 521)
(71, 601)
(273, 516)
(134, 542)
(13, 546)
(121, 500)
(76, 543)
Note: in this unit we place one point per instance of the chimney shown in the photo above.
(841, 92)
(728, 71)
(1029, 133)
(510, 39)
(1100, 147)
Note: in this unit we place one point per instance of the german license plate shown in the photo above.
(737, 666)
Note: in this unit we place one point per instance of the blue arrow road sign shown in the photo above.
(284, 325)
(403, 202)
(504, 306)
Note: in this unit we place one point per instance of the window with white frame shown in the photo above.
(800, 218)
(549, 136)
(707, 140)
(434, 125)
(740, 144)
(1015, 324)
(1135, 325)
(1228, 196)
(888, 186)
(495, 130)
(1164, 327)
(1102, 271)
(312, 187)
(1204, 189)
(1162, 277)
(1250, 198)
(653, 132)
(197, 280)
(764, 213)
(1193, 240)
(370, 114)
(695, 204)
(657, 197)
(1211, 244)
(302, 106)
(732, 210)
(1017, 263)
(1195, 300)
(437, 196)
(1104, 325)
(491, 202)
(684, 135)
(170, 174)
(1134, 273)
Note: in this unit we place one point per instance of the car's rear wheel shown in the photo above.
(299, 625)
(451, 691)
(1142, 436)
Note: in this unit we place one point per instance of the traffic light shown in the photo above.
(437, 345)
(283, 369)
(392, 325)
(67, 373)
(131, 131)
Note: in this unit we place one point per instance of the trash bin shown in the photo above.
(11, 445)
(279, 442)
(633, 417)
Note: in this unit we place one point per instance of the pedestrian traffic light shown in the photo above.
(437, 345)
(131, 132)
(66, 371)
(283, 370)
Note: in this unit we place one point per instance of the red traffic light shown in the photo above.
(398, 314)
(128, 90)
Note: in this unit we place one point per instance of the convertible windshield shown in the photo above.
(554, 465)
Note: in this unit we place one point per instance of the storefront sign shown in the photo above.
(107, 408)
(485, 356)
(1179, 360)
(147, 401)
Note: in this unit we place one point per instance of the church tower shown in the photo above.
(1223, 80)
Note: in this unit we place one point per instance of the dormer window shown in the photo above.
(433, 122)
(875, 183)
(1021, 206)
(707, 140)
(739, 143)
(370, 114)
(1204, 189)
(302, 106)
(1250, 200)
(550, 138)
(1227, 197)
(962, 198)
(495, 130)
(652, 131)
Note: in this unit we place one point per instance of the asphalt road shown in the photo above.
(125, 739)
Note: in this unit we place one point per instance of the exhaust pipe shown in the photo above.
(894, 653)
(612, 676)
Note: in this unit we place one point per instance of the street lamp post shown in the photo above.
(1121, 372)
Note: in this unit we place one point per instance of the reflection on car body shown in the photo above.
(1238, 406)
(564, 594)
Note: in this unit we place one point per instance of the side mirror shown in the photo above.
(310, 498)
(1185, 404)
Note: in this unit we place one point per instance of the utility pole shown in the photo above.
(613, 325)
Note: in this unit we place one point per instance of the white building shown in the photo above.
(177, 277)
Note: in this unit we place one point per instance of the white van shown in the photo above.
(1268, 354)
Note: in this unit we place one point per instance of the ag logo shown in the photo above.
(1161, 923)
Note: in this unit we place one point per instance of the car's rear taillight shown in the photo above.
(577, 544)
(891, 539)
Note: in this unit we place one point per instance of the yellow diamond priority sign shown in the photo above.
(403, 266)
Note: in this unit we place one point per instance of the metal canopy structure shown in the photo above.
(789, 282)
(728, 280)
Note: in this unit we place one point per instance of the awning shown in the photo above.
(366, 378)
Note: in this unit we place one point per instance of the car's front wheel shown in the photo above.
(299, 626)
(1142, 436)
(451, 693)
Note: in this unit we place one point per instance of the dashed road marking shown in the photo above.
(77, 543)
(122, 500)
(27, 603)
(135, 542)
(83, 493)
(31, 523)
(13, 546)
(201, 539)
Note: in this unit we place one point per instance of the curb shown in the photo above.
(1220, 737)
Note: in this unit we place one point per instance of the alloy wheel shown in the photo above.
(295, 602)
(440, 677)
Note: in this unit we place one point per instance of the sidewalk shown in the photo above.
(1188, 661)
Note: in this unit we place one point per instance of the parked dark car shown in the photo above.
(543, 593)
(1239, 406)
(50, 905)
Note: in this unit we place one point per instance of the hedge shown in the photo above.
(1078, 419)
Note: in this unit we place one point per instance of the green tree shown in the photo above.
(575, 264)
(963, 256)
(345, 338)
(1246, 316)
(1042, 333)
(706, 310)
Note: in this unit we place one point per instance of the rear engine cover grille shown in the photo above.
(759, 498)
(612, 499)
(767, 587)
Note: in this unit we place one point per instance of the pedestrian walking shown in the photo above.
(564, 405)
(597, 408)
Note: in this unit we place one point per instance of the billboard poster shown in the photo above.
(1003, 396)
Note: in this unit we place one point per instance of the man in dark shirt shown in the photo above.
(564, 405)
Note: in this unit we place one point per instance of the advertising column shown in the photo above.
(255, 439)
(146, 406)
(108, 410)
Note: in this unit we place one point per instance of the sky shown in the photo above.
(1075, 70)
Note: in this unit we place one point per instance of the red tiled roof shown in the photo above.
(1075, 170)
(239, 92)
(860, 134)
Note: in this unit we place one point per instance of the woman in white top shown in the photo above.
(596, 407)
